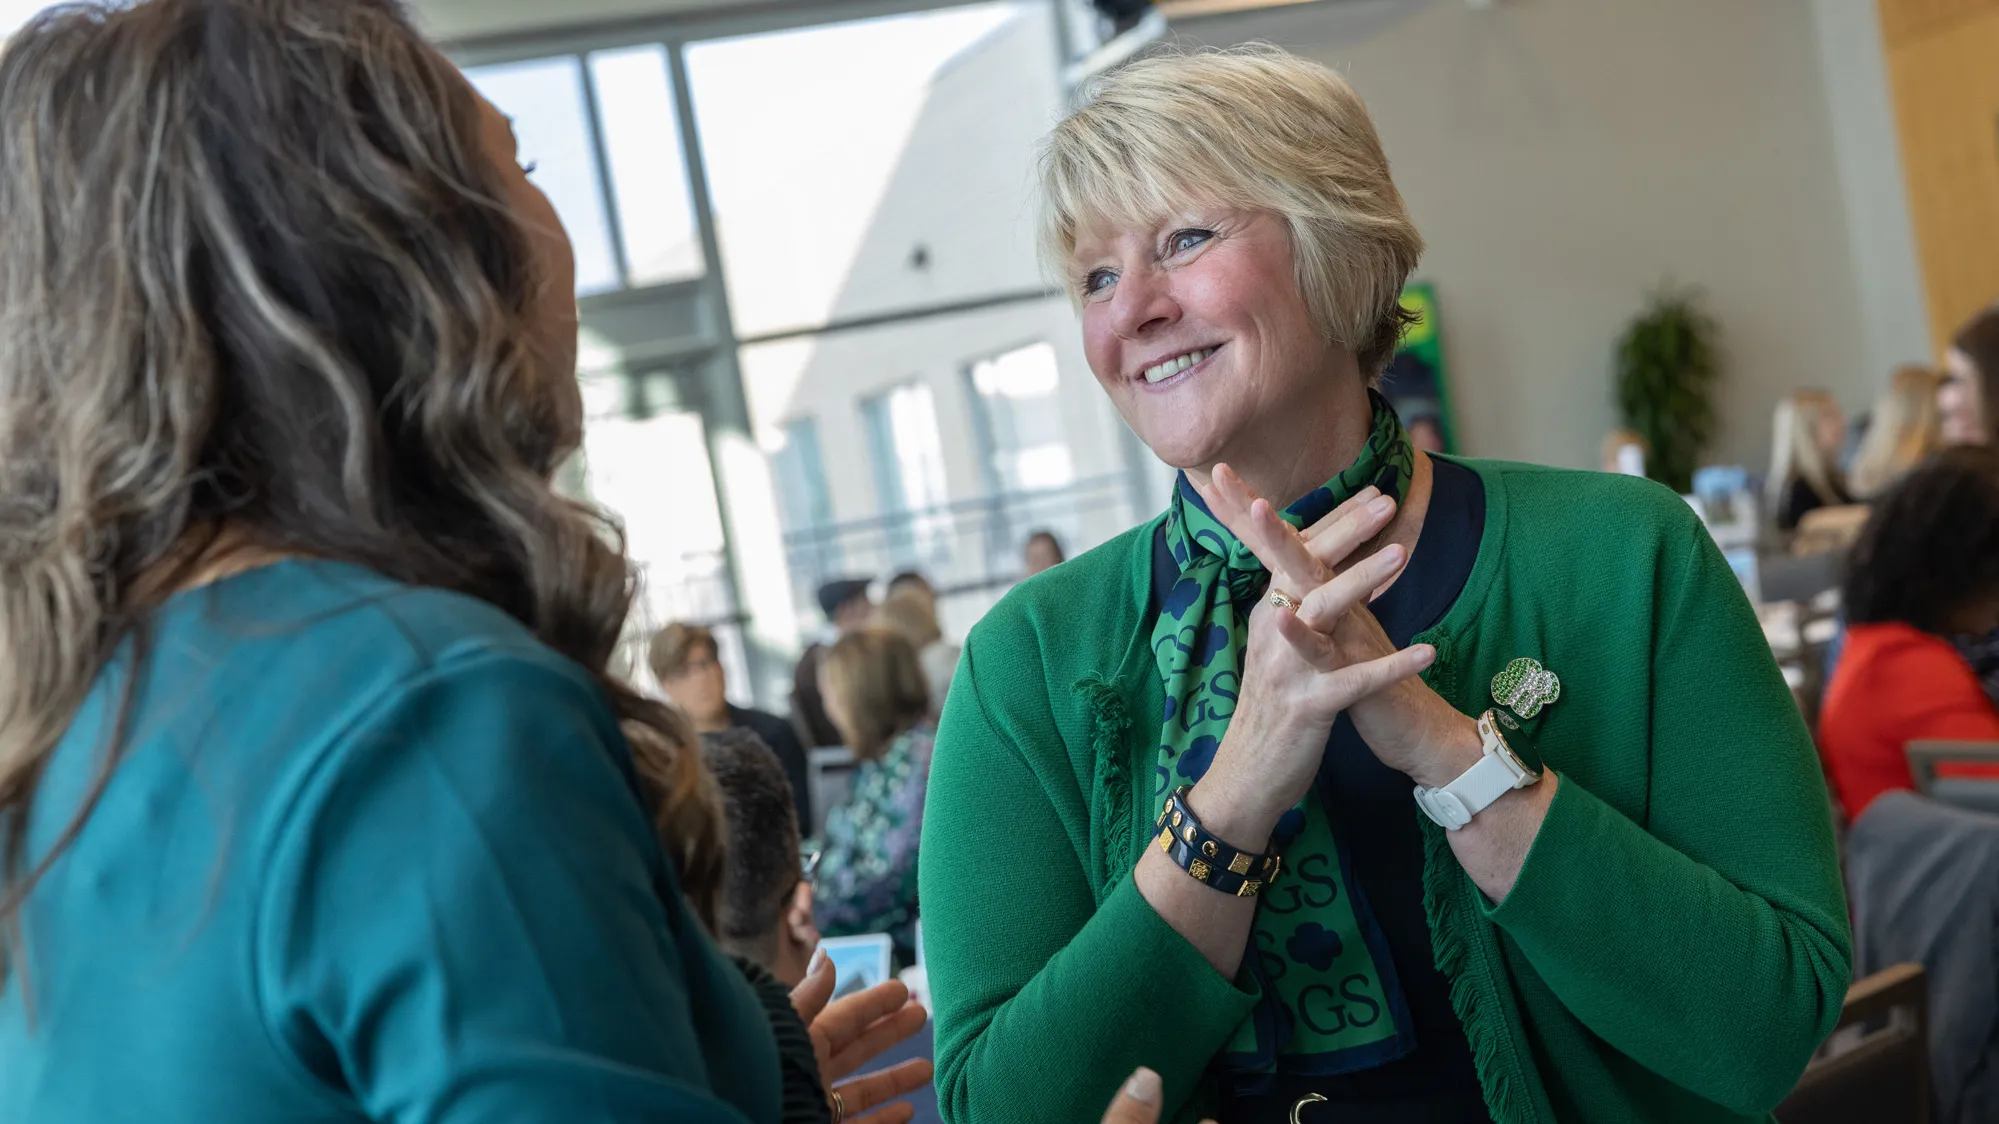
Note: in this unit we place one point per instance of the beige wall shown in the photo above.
(1563, 156)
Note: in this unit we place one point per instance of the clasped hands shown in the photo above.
(1302, 667)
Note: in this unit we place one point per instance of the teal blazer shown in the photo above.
(369, 853)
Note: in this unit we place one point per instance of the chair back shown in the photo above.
(829, 777)
(1875, 1066)
(1976, 794)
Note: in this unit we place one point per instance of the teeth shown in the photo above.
(1176, 365)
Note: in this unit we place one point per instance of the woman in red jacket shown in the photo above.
(1925, 569)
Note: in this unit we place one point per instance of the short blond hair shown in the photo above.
(878, 689)
(1253, 128)
(909, 612)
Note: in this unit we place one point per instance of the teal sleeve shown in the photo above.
(1711, 943)
(1045, 999)
(465, 919)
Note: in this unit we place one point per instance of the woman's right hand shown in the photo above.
(850, 1032)
(1138, 1101)
(1302, 668)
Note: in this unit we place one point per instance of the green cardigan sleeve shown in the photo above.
(1724, 911)
(1046, 999)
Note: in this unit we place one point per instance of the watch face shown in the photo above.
(1490, 730)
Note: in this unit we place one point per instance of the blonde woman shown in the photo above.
(1807, 431)
(913, 613)
(319, 803)
(866, 882)
(1362, 784)
(1905, 427)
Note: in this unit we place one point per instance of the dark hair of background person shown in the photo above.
(763, 841)
(256, 274)
(839, 593)
(878, 683)
(1931, 545)
(674, 645)
(1054, 544)
(1978, 339)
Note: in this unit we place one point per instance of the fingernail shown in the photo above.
(1391, 556)
(819, 961)
(1425, 656)
(1381, 506)
(1143, 1086)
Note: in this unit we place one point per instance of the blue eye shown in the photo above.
(1097, 281)
(529, 167)
(1184, 240)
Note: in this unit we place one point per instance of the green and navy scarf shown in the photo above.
(1331, 1003)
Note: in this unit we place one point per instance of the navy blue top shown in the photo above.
(372, 853)
(1376, 813)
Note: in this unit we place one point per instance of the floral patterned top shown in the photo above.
(866, 880)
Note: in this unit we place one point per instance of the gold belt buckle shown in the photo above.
(1308, 1098)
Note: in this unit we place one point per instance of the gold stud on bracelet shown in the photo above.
(1199, 870)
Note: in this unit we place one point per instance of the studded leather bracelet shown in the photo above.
(1207, 859)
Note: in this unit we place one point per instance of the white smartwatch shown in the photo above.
(1497, 773)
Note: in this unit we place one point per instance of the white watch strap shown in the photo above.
(1495, 775)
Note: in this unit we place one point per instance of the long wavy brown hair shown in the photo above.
(257, 277)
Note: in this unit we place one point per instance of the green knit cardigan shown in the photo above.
(1676, 944)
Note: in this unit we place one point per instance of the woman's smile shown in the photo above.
(1175, 369)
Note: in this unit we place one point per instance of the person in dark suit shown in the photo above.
(688, 665)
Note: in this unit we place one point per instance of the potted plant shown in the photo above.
(1667, 367)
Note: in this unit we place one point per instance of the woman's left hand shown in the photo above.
(1407, 725)
(851, 1032)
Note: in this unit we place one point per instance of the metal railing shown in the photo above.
(966, 547)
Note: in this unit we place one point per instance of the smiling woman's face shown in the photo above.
(1197, 330)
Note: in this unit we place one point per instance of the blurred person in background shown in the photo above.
(1904, 427)
(765, 911)
(1972, 383)
(320, 803)
(1043, 551)
(688, 664)
(1171, 823)
(866, 881)
(912, 614)
(1807, 432)
(848, 607)
(1624, 452)
(914, 581)
(1923, 574)
(1427, 434)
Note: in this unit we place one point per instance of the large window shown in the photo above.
(604, 144)
(907, 455)
(866, 167)
(857, 234)
(1017, 395)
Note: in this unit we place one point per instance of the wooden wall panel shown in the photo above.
(1906, 20)
(1945, 83)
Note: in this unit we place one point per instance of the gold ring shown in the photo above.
(839, 1106)
(1282, 600)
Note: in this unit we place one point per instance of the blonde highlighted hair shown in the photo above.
(256, 277)
(876, 689)
(1795, 453)
(1906, 427)
(1253, 129)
